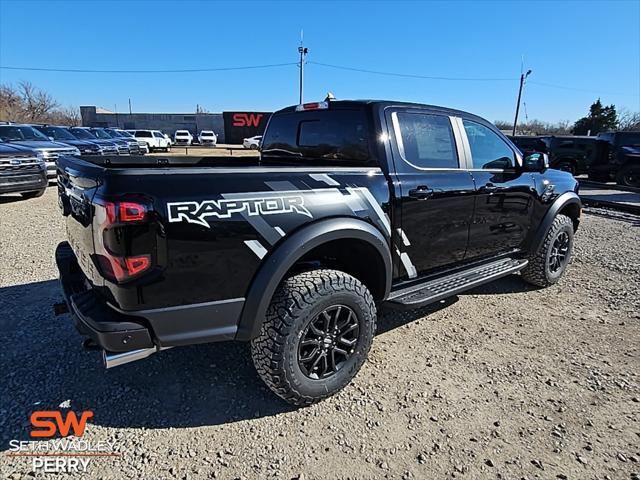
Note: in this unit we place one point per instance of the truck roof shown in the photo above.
(347, 104)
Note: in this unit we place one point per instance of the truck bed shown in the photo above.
(140, 161)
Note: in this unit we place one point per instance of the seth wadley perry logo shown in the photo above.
(69, 454)
(197, 212)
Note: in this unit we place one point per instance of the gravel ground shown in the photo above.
(503, 382)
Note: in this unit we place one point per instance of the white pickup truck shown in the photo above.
(182, 137)
(154, 139)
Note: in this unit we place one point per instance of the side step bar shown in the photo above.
(443, 287)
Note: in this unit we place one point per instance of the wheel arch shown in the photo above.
(568, 204)
(325, 235)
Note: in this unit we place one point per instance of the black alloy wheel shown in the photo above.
(328, 342)
(559, 252)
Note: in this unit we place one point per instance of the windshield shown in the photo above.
(124, 134)
(206, 134)
(182, 133)
(102, 134)
(82, 133)
(57, 133)
(17, 133)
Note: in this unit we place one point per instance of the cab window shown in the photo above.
(488, 150)
(426, 141)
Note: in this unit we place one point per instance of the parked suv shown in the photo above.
(61, 134)
(154, 139)
(351, 204)
(207, 137)
(108, 147)
(182, 137)
(573, 154)
(132, 143)
(22, 171)
(29, 137)
(617, 157)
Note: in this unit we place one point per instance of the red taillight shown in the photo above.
(123, 211)
(121, 269)
(136, 265)
(111, 224)
(131, 212)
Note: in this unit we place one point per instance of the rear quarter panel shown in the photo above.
(214, 227)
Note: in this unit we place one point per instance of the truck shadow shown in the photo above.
(44, 367)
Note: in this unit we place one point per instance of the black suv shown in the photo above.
(618, 157)
(573, 154)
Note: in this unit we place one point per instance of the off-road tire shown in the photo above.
(296, 303)
(538, 272)
(36, 194)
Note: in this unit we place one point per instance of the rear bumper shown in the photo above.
(23, 182)
(115, 330)
(93, 318)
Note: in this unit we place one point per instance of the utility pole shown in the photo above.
(129, 106)
(303, 53)
(523, 76)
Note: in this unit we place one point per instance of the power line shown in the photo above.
(183, 70)
(411, 75)
(562, 87)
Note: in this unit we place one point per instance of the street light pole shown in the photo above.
(303, 53)
(523, 76)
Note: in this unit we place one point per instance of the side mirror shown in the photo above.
(536, 162)
(51, 138)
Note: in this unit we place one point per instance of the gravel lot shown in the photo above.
(503, 382)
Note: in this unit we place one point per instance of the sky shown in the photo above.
(577, 51)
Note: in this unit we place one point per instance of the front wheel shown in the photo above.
(316, 335)
(547, 265)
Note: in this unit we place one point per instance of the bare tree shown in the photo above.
(537, 127)
(628, 120)
(27, 103)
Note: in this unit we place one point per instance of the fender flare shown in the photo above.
(567, 198)
(274, 267)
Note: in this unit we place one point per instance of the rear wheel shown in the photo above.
(629, 176)
(547, 265)
(317, 334)
(253, 146)
(37, 194)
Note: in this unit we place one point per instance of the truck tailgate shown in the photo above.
(77, 183)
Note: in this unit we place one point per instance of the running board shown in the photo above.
(443, 287)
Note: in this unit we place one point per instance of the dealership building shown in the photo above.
(230, 127)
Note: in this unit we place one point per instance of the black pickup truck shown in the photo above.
(350, 205)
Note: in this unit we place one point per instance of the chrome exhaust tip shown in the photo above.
(115, 359)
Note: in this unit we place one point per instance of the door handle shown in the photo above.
(490, 188)
(421, 192)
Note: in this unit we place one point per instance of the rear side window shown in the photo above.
(143, 134)
(488, 150)
(330, 136)
(426, 141)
